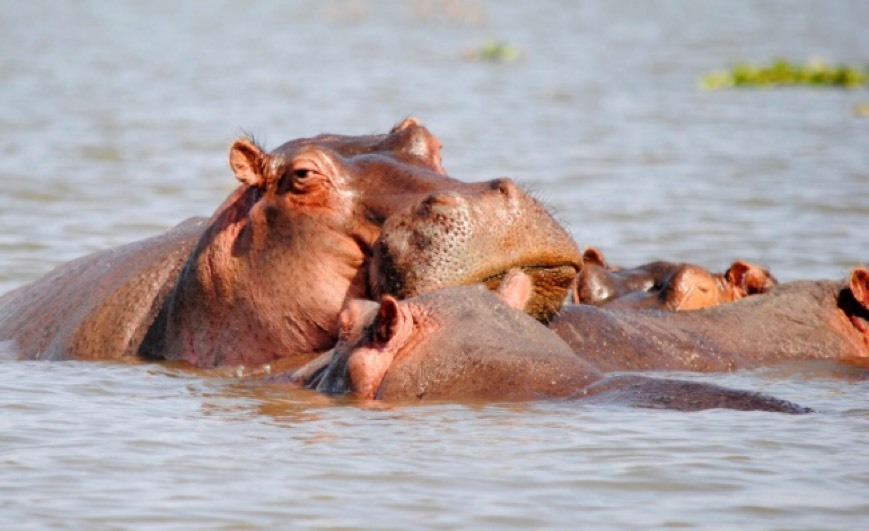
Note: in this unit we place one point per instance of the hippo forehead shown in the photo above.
(409, 137)
(344, 145)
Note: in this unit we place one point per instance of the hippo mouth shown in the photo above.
(551, 286)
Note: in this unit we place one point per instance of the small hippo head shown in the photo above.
(279, 257)
(599, 283)
(455, 343)
(475, 235)
(662, 285)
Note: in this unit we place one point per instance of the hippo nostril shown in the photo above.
(447, 199)
(505, 186)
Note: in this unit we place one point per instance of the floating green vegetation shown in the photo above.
(495, 52)
(781, 73)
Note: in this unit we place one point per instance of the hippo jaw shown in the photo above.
(551, 284)
(551, 281)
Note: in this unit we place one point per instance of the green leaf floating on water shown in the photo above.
(781, 73)
(495, 52)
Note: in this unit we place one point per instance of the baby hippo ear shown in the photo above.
(859, 284)
(247, 161)
(516, 289)
(394, 323)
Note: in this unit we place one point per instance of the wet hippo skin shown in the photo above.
(466, 343)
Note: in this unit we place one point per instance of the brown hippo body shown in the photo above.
(263, 280)
(98, 306)
(663, 285)
(804, 320)
(465, 343)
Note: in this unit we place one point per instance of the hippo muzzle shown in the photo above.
(458, 238)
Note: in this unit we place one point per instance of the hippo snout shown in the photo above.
(443, 202)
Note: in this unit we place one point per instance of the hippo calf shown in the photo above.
(803, 320)
(666, 285)
(263, 280)
(466, 343)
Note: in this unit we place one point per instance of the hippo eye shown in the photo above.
(297, 180)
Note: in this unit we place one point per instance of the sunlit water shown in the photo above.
(115, 120)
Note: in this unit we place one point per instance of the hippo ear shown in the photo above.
(516, 289)
(859, 284)
(247, 161)
(737, 273)
(750, 278)
(408, 122)
(593, 256)
(389, 321)
(412, 138)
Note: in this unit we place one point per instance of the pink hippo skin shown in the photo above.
(263, 280)
(467, 343)
(804, 320)
(666, 285)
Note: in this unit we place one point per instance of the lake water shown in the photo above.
(116, 119)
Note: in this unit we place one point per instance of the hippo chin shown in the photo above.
(263, 280)
(804, 320)
(466, 343)
(662, 285)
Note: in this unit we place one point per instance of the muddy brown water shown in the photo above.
(115, 120)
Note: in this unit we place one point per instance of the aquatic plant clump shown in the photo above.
(815, 73)
(495, 52)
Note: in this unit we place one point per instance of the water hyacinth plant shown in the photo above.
(815, 73)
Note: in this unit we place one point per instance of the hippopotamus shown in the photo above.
(666, 285)
(468, 343)
(262, 281)
(801, 320)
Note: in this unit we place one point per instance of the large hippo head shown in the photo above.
(270, 274)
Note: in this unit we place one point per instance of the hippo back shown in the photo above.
(101, 305)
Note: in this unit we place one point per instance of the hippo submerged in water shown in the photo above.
(263, 280)
(666, 285)
(467, 343)
(803, 320)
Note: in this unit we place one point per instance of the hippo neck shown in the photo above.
(240, 302)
